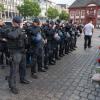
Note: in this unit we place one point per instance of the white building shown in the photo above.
(45, 4)
(10, 8)
(64, 7)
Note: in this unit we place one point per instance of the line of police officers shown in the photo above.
(38, 46)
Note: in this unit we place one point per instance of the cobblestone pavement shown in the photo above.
(70, 79)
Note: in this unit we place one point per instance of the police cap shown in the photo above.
(52, 22)
(17, 19)
(36, 20)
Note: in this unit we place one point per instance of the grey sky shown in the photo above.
(63, 1)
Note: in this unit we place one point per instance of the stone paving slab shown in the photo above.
(70, 79)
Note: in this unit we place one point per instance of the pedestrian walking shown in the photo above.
(88, 32)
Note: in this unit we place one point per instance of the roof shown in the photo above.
(84, 3)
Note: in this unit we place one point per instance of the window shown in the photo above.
(72, 13)
(77, 12)
(83, 13)
(99, 12)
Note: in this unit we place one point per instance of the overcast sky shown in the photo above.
(63, 1)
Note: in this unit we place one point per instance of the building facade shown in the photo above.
(64, 7)
(10, 8)
(82, 11)
(45, 4)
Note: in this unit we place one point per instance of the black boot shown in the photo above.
(41, 70)
(51, 63)
(24, 81)
(46, 67)
(14, 90)
(58, 58)
(33, 75)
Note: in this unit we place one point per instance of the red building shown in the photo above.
(82, 11)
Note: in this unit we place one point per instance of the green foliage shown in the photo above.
(52, 13)
(29, 8)
(1, 8)
(63, 15)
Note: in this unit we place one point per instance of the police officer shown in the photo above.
(76, 34)
(3, 46)
(70, 31)
(57, 41)
(51, 42)
(61, 33)
(36, 49)
(44, 29)
(67, 38)
(16, 46)
(28, 57)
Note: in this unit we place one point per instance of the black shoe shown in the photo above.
(24, 82)
(90, 47)
(53, 60)
(66, 52)
(71, 49)
(51, 63)
(46, 67)
(63, 55)
(84, 48)
(74, 49)
(14, 90)
(57, 58)
(60, 55)
(34, 76)
(41, 70)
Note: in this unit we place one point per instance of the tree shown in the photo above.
(63, 15)
(1, 7)
(29, 8)
(52, 13)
